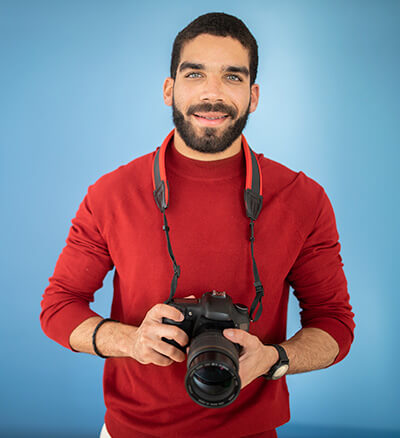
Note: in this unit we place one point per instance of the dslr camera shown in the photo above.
(212, 379)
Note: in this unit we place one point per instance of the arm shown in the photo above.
(79, 273)
(143, 343)
(309, 349)
(321, 288)
(67, 318)
(320, 285)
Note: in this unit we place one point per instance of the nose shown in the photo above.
(212, 90)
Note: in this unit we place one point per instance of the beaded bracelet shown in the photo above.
(94, 336)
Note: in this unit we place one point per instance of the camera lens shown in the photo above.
(212, 379)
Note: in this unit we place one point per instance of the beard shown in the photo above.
(210, 142)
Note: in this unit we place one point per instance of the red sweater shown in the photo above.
(119, 225)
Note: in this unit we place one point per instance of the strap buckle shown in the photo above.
(259, 290)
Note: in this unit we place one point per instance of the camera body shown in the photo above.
(212, 379)
(213, 311)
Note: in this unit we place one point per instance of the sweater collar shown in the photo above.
(210, 170)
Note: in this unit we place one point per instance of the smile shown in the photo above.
(210, 119)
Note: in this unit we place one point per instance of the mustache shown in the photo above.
(209, 107)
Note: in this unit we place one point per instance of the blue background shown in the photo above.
(81, 93)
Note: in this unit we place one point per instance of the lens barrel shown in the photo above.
(212, 379)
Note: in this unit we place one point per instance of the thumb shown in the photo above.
(236, 335)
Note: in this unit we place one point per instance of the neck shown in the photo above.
(188, 152)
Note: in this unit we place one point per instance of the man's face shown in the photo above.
(211, 96)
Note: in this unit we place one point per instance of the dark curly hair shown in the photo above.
(218, 24)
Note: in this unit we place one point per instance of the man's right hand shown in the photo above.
(148, 347)
(143, 343)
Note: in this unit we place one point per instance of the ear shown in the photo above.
(254, 96)
(168, 91)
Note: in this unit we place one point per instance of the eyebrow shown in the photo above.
(190, 66)
(237, 69)
(227, 68)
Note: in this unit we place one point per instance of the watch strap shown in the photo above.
(282, 361)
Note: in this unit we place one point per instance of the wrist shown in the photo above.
(128, 340)
(112, 339)
(281, 366)
(100, 324)
(271, 356)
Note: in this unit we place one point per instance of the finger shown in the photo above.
(169, 351)
(190, 296)
(152, 331)
(160, 311)
(238, 336)
(159, 359)
(172, 332)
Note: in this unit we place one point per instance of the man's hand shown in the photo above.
(148, 347)
(256, 358)
(143, 343)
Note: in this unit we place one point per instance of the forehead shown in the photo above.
(215, 51)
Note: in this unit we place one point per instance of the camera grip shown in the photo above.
(174, 343)
(184, 325)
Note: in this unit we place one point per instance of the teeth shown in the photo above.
(213, 118)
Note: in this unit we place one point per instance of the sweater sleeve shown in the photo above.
(319, 282)
(79, 272)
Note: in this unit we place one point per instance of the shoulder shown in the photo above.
(300, 196)
(123, 181)
(278, 178)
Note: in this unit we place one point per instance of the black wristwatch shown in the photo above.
(280, 368)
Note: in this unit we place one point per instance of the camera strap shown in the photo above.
(253, 201)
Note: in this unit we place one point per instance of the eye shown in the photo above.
(234, 78)
(193, 75)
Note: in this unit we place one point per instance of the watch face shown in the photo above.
(281, 371)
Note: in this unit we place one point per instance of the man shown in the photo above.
(211, 90)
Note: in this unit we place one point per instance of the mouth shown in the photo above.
(210, 119)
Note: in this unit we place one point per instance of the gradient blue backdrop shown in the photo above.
(81, 93)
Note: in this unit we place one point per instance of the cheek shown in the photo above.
(183, 95)
(241, 99)
(244, 105)
(180, 103)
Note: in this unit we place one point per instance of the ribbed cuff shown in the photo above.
(339, 331)
(62, 323)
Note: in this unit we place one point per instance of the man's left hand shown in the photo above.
(255, 359)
